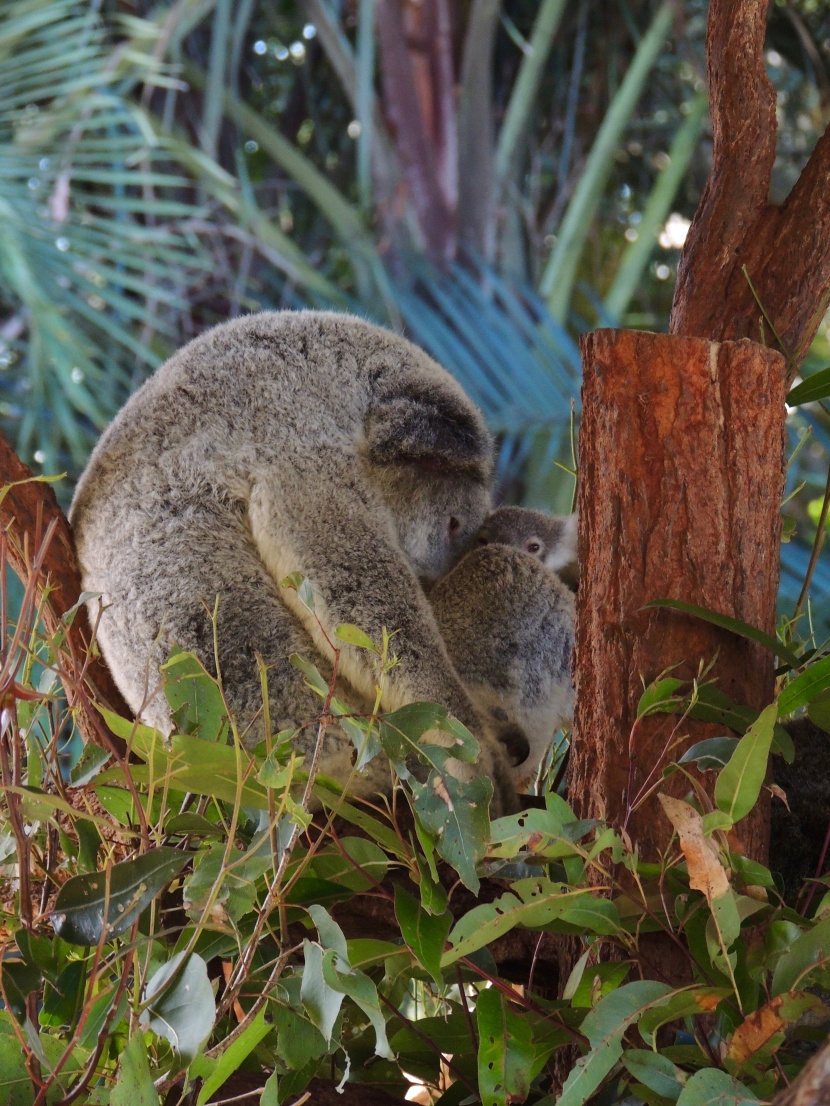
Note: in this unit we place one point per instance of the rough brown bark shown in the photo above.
(681, 477)
(785, 249)
(27, 510)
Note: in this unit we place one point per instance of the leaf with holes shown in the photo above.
(109, 902)
(505, 1051)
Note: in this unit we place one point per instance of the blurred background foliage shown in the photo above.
(492, 177)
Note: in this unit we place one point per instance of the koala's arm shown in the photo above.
(334, 535)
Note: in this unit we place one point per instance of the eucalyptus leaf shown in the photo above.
(814, 387)
(807, 686)
(321, 1001)
(505, 1051)
(426, 934)
(604, 1027)
(194, 696)
(811, 948)
(133, 1080)
(180, 1005)
(103, 905)
(739, 784)
(712, 1087)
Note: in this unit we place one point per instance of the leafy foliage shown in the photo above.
(205, 930)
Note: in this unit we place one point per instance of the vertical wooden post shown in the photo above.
(681, 479)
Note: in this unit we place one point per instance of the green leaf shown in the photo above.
(541, 903)
(322, 1002)
(133, 1081)
(716, 820)
(726, 924)
(353, 635)
(297, 582)
(454, 811)
(604, 1027)
(712, 1087)
(806, 687)
(187, 764)
(299, 1043)
(815, 386)
(231, 1058)
(809, 949)
(680, 1004)
(659, 698)
(713, 752)
(109, 902)
(180, 1005)
(602, 977)
(657, 1072)
(362, 991)
(739, 784)
(818, 711)
(426, 934)
(505, 1051)
(742, 629)
(194, 697)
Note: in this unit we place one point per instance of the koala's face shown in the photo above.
(436, 516)
(549, 538)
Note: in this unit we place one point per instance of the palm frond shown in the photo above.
(94, 247)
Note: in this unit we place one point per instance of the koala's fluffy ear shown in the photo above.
(432, 431)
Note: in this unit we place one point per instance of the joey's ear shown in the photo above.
(438, 433)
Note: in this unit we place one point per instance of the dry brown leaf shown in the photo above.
(755, 1031)
(706, 873)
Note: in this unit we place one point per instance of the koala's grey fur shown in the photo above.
(551, 538)
(308, 442)
(508, 624)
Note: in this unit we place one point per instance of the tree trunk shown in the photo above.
(751, 269)
(37, 540)
(681, 479)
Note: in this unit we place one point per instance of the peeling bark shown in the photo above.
(681, 479)
(26, 512)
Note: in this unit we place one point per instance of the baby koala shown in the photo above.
(508, 623)
(550, 538)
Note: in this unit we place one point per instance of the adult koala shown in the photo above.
(285, 442)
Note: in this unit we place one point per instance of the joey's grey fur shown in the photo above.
(306, 442)
(550, 538)
(508, 624)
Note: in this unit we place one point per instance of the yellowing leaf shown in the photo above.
(706, 873)
(754, 1032)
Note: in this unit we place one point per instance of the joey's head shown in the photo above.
(550, 538)
(436, 514)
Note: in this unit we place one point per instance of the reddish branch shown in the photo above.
(416, 64)
(26, 512)
(784, 249)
